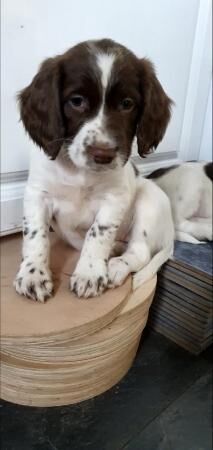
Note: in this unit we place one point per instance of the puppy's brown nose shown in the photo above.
(101, 153)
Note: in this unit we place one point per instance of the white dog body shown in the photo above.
(189, 188)
(84, 109)
(129, 203)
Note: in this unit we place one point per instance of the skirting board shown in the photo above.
(12, 193)
(13, 185)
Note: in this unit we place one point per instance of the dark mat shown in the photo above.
(198, 257)
(182, 307)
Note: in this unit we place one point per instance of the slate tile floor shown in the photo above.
(163, 403)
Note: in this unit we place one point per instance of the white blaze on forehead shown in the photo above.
(94, 131)
(105, 63)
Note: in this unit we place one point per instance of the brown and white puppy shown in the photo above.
(83, 109)
(189, 188)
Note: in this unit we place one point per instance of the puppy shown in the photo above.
(84, 108)
(189, 188)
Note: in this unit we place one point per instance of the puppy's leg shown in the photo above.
(152, 268)
(33, 278)
(133, 259)
(151, 240)
(199, 230)
(137, 259)
(90, 277)
(185, 237)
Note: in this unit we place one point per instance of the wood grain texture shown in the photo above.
(33, 320)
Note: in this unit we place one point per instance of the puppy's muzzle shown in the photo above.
(102, 154)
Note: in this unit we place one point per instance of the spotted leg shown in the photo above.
(90, 277)
(34, 278)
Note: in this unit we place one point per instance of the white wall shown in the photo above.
(206, 142)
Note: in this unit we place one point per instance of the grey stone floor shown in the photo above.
(163, 403)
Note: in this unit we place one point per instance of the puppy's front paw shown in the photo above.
(34, 282)
(118, 270)
(89, 279)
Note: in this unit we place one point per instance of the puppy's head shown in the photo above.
(92, 101)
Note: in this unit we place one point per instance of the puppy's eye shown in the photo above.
(126, 104)
(78, 102)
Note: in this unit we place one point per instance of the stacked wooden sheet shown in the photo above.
(182, 306)
(67, 349)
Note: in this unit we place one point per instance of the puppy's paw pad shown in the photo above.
(118, 270)
(34, 283)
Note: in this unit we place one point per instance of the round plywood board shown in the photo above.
(24, 318)
(66, 350)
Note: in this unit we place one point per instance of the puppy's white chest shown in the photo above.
(73, 209)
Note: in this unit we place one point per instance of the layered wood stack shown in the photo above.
(182, 306)
(67, 349)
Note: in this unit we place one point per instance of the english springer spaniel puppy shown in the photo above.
(83, 108)
(189, 188)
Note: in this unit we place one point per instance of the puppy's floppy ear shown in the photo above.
(41, 110)
(156, 110)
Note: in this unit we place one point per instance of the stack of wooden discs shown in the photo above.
(183, 309)
(68, 349)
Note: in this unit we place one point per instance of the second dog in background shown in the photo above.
(189, 188)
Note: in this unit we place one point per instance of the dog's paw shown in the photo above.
(34, 282)
(89, 279)
(118, 270)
